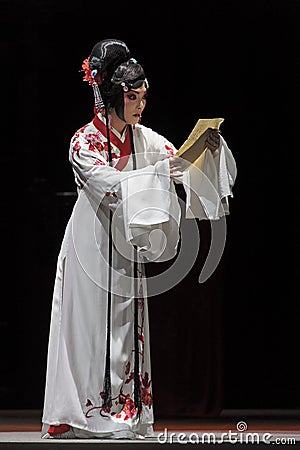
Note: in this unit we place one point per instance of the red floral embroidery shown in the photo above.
(130, 378)
(76, 149)
(121, 398)
(127, 368)
(129, 409)
(76, 136)
(113, 154)
(122, 406)
(170, 150)
(145, 390)
(95, 141)
(99, 163)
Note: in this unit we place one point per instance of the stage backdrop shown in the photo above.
(230, 343)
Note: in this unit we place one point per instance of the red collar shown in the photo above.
(124, 147)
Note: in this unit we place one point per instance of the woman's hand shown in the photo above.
(176, 167)
(213, 140)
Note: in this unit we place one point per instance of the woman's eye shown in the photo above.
(132, 97)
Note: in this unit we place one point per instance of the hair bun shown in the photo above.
(107, 55)
(119, 73)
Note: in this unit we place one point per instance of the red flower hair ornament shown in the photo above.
(90, 78)
(89, 74)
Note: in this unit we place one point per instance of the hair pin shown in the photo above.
(125, 88)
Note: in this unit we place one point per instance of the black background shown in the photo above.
(232, 342)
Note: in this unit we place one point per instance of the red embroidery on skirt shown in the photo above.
(123, 406)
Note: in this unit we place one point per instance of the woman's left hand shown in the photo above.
(213, 140)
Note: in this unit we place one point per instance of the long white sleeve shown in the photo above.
(209, 184)
(150, 205)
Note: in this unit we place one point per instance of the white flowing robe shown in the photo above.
(142, 200)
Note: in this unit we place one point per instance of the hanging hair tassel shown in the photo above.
(99, 104)
(137, 378)
(90, 78)
(107, 395)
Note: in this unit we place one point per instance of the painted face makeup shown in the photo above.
(134, 104)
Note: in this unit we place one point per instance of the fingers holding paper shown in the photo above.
(213, 140)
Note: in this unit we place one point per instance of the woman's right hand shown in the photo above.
(177, 167)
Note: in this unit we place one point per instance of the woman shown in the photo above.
(98, 381)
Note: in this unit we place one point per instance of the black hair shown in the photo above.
(118, 72)
(128, 72)
(105, 57)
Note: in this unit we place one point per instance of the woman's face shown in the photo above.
(134, 104)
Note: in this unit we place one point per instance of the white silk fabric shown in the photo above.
(143, 201)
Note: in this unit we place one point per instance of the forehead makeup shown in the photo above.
(136, 91)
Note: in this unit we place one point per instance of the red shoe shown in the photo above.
(53, 430)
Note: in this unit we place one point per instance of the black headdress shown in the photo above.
(99, 67)
(111, 72)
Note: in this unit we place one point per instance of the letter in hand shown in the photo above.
(213, 140)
